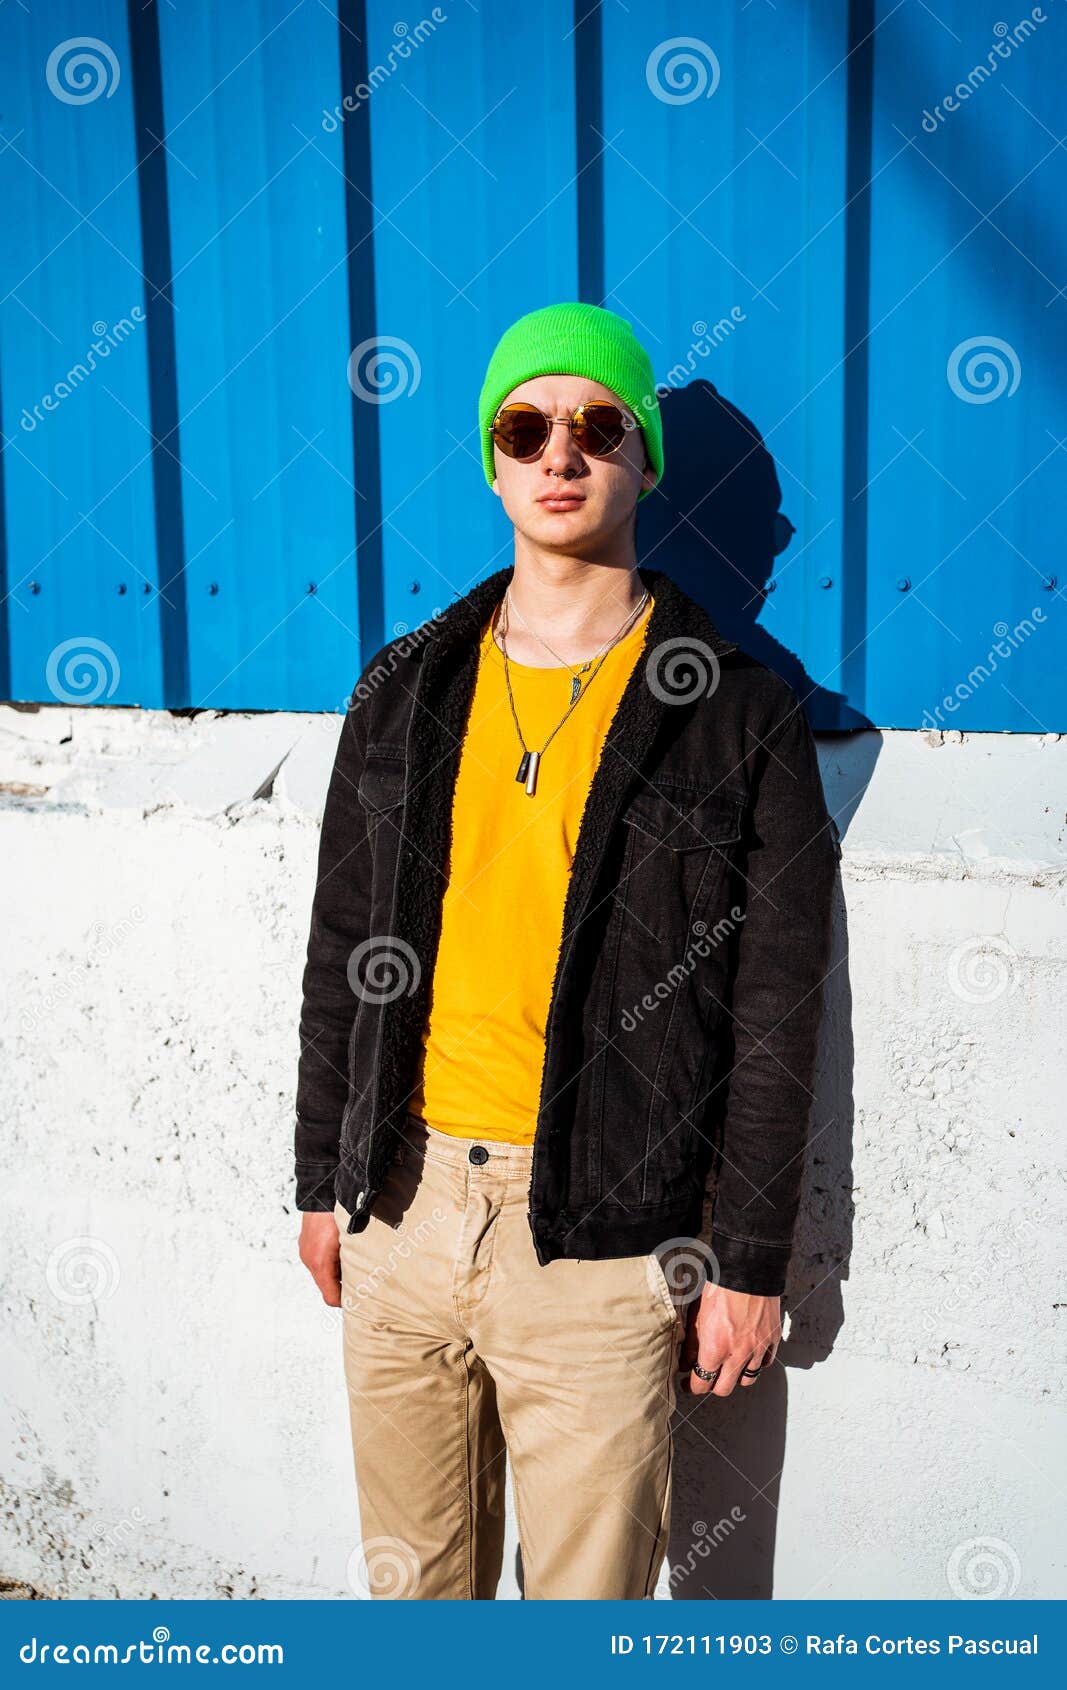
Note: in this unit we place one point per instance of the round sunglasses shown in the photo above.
(523, 431)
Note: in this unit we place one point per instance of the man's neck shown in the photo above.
(575, 607)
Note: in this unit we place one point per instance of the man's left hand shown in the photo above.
(728, 1331)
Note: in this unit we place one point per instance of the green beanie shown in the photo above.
(573, 340)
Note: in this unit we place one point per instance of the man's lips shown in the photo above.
(561, 500)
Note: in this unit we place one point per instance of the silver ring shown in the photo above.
(709, 1378)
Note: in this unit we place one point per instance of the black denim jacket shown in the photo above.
(681, 1036)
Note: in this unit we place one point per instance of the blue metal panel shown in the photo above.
(83, 614)
(260, 295)
(965, 473)
(474, 171)
(725, 246)
(755, 188)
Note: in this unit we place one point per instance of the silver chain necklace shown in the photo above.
(528, 764)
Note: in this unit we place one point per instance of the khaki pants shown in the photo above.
(461, 1349)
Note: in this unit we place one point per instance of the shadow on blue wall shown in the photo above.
(716, 528)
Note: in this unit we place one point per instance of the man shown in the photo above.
(561, 1001)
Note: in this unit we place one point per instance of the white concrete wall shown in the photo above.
(173, 1411)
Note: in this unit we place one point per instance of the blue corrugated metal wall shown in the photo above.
(851, 288)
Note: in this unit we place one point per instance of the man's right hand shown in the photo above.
(320, 1252)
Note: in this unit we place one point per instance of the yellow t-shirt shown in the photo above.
(502, 913)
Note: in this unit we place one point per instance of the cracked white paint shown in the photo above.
(176, 1426)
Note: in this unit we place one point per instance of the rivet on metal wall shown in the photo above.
(213, 589)
(1049, 583)
(826, 580)
(35, 586)
(771, 586)
(121, 588)
(311, 586)
(414, 586)
(903, 583)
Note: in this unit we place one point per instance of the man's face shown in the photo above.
(592, 497)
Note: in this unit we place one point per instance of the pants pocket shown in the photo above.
(660, 1285)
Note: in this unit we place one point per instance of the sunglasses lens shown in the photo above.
(599, 430)
(520, 431)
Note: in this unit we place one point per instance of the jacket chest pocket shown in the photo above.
(681, 845)
(381, 792)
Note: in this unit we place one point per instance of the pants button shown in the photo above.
(477, 1154)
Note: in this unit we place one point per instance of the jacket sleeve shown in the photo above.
(781, 962)
(340, 917)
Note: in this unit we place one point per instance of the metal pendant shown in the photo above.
(524, 764)
(576, 687)
(531, 777)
